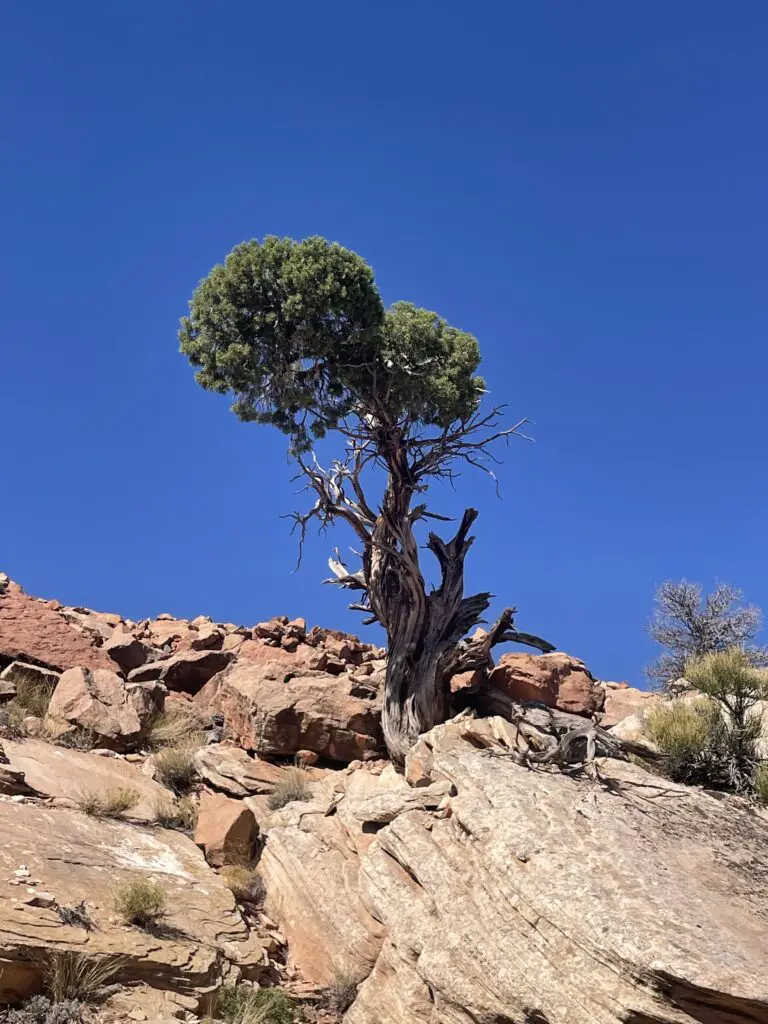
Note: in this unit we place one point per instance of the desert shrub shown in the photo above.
(239, 1004)
(342, 992)
(110, 803)
(682, 728)
(175, 768)
(180, 814)
(731, 680)
(177, 726)
(244, 882)
(40, 1010)
(140, 902)
(292, 786)
(79, 738)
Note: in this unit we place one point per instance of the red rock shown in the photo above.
(31, 631)
(257, 652)
(557, 680)
(125, 650)
(100, 701)
(226, 829)
(276, 710)
(191, 670)
(208, 637)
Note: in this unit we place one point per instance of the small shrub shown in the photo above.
(79, 738)
(293, 786)
(177, 726)
(33, 695)
(175, 768)
(40, 1010)
(761, 784)
(342, 992)
(681, 728)
(110, 803)
(238, 1004)
(77, 976)
(180, 814)
(244, 882)
(140, 902)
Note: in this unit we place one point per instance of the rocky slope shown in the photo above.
(469, 890)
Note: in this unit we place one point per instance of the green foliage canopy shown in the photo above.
(298, 334)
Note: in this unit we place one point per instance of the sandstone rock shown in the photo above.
(544, 898)
(235, 772)
(65, 774)
(100, 701)
(209, 637)
(277, 712)
(189, 672)
(226, 829)
(76, 858)
(311, 874)
(556, 679)
(257, 652)
(622, 701)
(126, 650)
(31, 631)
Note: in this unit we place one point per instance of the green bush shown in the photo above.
(761, 784)
(239, 1004)
(140, 902)
(682, 728)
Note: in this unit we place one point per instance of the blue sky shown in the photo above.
(581, 185)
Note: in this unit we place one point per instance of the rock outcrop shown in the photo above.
(226, 830)
(52, 859)
(557, 680)
(274, 709)
(531, 895)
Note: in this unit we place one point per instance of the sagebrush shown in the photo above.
(140, 902)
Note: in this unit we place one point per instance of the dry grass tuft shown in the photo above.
(180, 814)
(110, 803)
(177, 726)
(175, 768)
(69, 975)
(244, 883)
(293, 786)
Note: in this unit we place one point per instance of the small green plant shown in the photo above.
(109, 803)
(175, 768)
(239, 1004)
(244, 882)
(140, 902)
(342, 992)
(180, 814)
(761, 784)
(292, 786)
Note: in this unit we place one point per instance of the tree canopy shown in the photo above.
(297, 332)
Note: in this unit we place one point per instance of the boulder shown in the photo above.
(126, 651)
(276, 711)
(557, 680)
(226, 829)
(68, 775)
(186, 672)
(32, 631)
(621, 700)
(53, 858)
(103, 703)
(537, 896)
(236, 772)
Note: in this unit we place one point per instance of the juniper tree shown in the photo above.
(298, 334)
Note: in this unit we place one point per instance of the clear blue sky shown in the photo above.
(581, 185)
